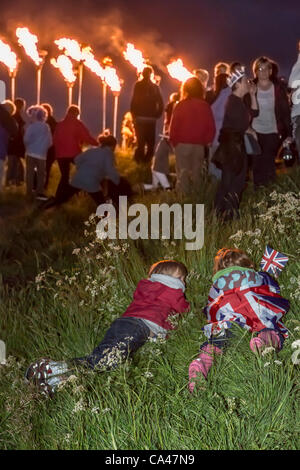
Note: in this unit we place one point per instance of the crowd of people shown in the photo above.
(234, 128)
(237, 126)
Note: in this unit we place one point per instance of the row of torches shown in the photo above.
(84, 56)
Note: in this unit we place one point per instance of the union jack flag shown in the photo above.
(252, 308)
(273, 261)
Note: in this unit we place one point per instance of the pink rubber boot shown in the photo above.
(200, 367)
(265, 339)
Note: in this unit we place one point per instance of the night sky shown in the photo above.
(201, 32)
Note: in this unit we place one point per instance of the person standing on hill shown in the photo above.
(51, 121)
(273, 123)
(8, 130)
(160, 162)
(37, 140)
(16, 149)
(192, 128)
(146, 107)
(294, 84)
(231, 156)
(68, 139)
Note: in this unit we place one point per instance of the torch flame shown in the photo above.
(8, 57)
(29, 41)
(112, 79)
(64, 64)
(177, 70)
(91, 63)
(135, 57)
(71, 48)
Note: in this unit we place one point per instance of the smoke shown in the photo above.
(105, 28)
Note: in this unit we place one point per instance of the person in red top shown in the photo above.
(192, 128)
(155, 299)
(69, 136)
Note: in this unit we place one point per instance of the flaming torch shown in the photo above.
(9, 58)
(177, 70)
(29, 42)
(135, 57)
(91, 63)
(64, 64)
(114, 83)
(72, 48)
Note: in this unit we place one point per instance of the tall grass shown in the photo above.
(57, 302)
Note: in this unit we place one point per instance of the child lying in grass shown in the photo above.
(154, 299)
(242, 296)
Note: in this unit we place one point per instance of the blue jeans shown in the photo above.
(125, 336)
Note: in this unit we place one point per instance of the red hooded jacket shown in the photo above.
(192, 123)
(155, 302)
(69, 136)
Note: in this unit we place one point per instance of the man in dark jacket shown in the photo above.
(8, 130)
(146, 107)
(16, 148)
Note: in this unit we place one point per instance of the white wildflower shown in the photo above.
(79, 406)
(148, 375)
(267, 351)
(106, 410)
(266, 364)
(279, 363)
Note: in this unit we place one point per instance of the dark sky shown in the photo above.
(201, 32)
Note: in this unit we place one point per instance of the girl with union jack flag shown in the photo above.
(242, 296)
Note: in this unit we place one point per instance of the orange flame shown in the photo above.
(8, 57)
(177, 70)
(64, 64)
(71, 48)
(112, 79)
(135, 57)
(91, 63)
(29, 41)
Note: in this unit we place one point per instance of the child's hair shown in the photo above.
(169, 267)
(9, 106)
(37, 112)
(227, 257)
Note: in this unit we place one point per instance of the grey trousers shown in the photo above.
(35, 164)
(15, 170)
(296, 131)
(189, 167)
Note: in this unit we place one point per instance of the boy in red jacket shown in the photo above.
(155, 298)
